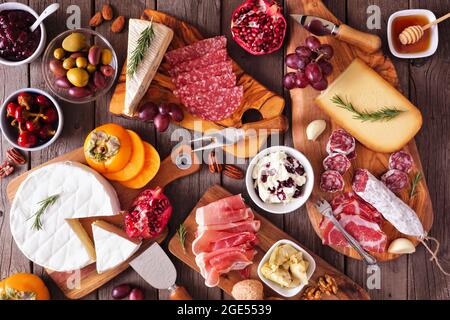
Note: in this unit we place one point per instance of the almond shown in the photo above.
(96, 20)
(118, 24)
(107, 12)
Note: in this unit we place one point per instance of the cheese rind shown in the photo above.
(112, 246)
(138, 83)
(82, 193)
(368, 91)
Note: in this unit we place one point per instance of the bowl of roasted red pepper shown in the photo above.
(31, 119)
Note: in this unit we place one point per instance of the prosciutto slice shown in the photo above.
(241, 226)
(210, 217)
(209, 241)
(226, 204)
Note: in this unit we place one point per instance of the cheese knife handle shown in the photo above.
(365, 41)
(276, 124)
(179, 293)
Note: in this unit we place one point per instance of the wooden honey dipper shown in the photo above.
(413, 34)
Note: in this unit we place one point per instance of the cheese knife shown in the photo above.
(322, 27)
(155, 267)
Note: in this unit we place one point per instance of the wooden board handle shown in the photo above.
(365, 41)
(179, 293)
(273, 125)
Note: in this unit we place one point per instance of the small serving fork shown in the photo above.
(325, 209)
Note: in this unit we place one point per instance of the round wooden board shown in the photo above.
(304, 111)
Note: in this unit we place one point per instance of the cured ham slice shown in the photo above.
(242, 226)
(351, 203)
(209, 241)
(210, 217)
(226, 204)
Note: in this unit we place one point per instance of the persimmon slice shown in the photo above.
(151, 168)
(135, 164)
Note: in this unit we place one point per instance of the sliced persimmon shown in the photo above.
(151, 167)
(108, 148)
(136, 163)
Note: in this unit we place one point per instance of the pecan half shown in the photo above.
(107, 12)
(214, 166)
(6, 168)
(96, 20)
(15, 156)
(233, 172)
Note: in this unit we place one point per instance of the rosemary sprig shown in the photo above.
(44, 205)
(145, 38)
(181, 232)
(384, 114)
(414, 184)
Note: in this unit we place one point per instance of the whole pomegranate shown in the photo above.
(148, 215)
(258, 26)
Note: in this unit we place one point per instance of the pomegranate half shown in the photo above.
(259, 26)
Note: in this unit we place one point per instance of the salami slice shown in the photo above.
(395, 180)
(204, 61)
(331, 181)
(341, 142)
(205, 73)
(226, 80)
(195, 50)
(401, 160)
(337, 162)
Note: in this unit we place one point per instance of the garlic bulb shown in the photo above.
(401, 246)
(315, 129)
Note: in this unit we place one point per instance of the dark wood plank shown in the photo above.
(429, 90)
(393, 273)
(185, 193)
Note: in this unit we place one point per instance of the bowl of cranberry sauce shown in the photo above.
(18, 45)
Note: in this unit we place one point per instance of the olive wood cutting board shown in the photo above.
(256, 96)
(268, 235)
(304, 111)
(89, 279)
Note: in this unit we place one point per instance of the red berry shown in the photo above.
(11, 109)
(25, 99)
(136, 294)
(26, 139)
(45, 132)
(50, 115)
(32, 126)
(18, 113)
(42, 101)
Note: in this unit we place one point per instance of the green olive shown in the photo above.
(68, 63)
(81, 62)
(78, 77)
(74, 42)
(59, 53)
(106, 56)
(91, 68)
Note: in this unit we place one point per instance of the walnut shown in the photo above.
(327, 284)
(311, 293)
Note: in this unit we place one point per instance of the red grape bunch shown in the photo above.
(311, 63)
(160, 114)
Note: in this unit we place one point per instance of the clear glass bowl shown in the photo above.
(92, 37)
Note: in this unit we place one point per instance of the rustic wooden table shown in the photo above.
(425, 82)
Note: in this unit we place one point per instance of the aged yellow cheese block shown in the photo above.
(369, 92)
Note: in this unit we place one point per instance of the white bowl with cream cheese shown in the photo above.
(272, 166)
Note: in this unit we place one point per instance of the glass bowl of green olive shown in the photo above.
(79, 66)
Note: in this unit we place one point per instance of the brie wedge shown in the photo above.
(82, 193)
(138, 83)
(112, 245)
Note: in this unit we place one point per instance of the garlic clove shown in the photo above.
(315, 129)
(401, 246)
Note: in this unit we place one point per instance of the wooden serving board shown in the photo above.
(89, 279)
(268, 235)
(304, 111)
(256, 96)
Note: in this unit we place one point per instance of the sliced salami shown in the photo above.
(195, 50)
(341, 142)
(331, 181)
(401, 160)
(205, 73)
(337, 162)
(395, 180)
(226, 80)
(204, 61)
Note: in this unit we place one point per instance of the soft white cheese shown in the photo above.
(138, 83)
(278, 178)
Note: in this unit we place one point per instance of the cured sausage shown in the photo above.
(401, 160)
(226, 80)
(341, 142)
(206, 60)
(196, 50)
(395, 180)
(337, 162)
(205, 73)
(331, 181)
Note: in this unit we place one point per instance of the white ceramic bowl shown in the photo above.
(41, 46)
(280, 208)
(285, 292)
(10, 133)
(434, 34)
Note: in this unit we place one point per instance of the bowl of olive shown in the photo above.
(79, 65)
